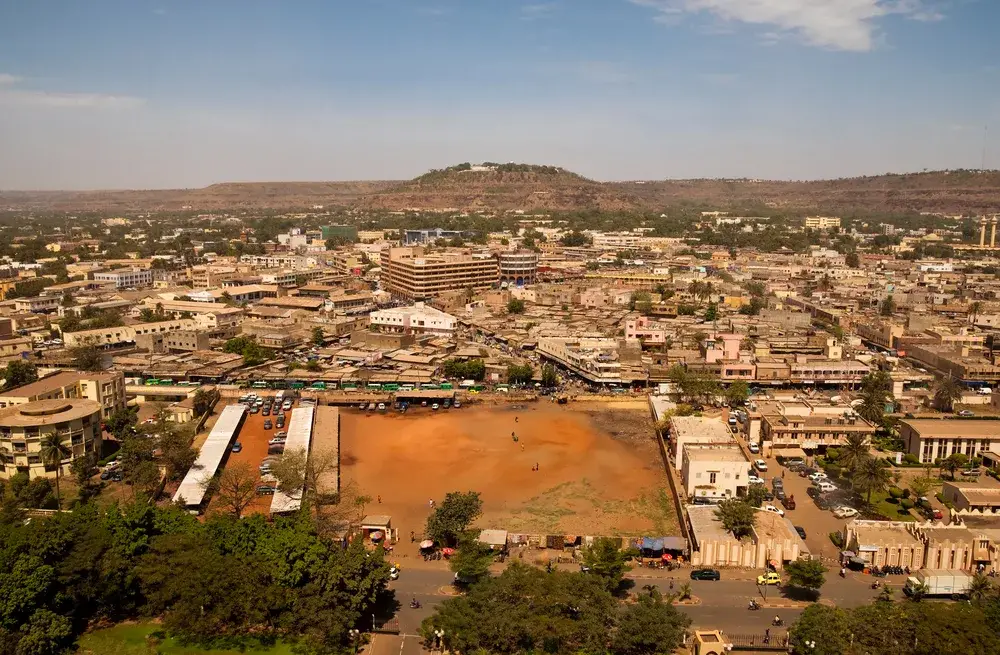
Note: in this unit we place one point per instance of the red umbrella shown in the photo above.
(448, 551)
(376, 535)
(667, 557)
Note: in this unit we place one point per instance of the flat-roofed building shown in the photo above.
(124, 333)
(411, 273)
(37, 304)
(107, 389)
(696, 431)
(713, 472)
(127, 278)
(933, 439)
(518, 267)
(816, 433)
(417, 319)
(25, 427)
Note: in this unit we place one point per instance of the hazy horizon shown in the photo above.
(150, 94)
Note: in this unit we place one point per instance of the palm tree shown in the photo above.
(974, 311)
(854, 452)
(918, 591)
(947, 391)
(980, 587)
(53, 452)
(873, 475)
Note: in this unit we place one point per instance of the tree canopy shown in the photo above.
(453, 516)
(19, 373)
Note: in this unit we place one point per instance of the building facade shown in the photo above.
(931, 439)
(25, 431)
(413, 274)
(418, 319)
(107, 389)
(519, 267)
(126, 279)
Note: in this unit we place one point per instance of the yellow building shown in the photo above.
(107, 389)
(25, 429)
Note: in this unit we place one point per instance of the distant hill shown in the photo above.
(231, 195)
(939, 191)
(502, 187)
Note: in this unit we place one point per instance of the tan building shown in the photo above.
(788, 433)
(414, 274)
(821, 222)
(107, 389)
(124, 333)
(714, 471)
(932, 439)
(24, 429)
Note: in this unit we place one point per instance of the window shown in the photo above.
(711, 477)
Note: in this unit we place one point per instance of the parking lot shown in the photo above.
(253, 438)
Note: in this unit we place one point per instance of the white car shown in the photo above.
(760, 464)
(776, 510)
(754, 448)
(753, 479)
(845, 512)
(825, 487)
(818, 475)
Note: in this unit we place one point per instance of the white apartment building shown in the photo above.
(596, 359)
(821, 222)
(37, 304)
(713, 471)
(416, 319)
(127, 279)
(696, 431)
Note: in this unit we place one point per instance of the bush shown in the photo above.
(906, 505)
(911, 459)
(107, 460)
(837, 539)
(834, 470)
(832, 454)
(896, 493)
(906, 492)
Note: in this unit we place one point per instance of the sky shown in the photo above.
(107, 94)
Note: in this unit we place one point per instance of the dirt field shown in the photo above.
(589, 482)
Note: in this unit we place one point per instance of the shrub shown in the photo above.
(837, 539)
(906, 504)
(832, 454)
(906, 492)
(107, 460)
(833, 470)
(910, 458)
(896, 493)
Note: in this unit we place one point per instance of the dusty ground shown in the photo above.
(599, 472)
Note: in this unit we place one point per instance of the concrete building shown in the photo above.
(931, 439)
(696, 431)
(125, 333)
(107, 389)
(24, 429)
(821, 222)
(773, 539)
(418, 319)
(713, 472)
(38, 304)
(423, 237)
(785, 434)
(519, 267)
(594, 359)
(128, 278)
(411, 273)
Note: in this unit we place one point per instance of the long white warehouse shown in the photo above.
(300, 429)
(193, 487)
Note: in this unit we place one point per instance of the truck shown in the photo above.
(953, 583)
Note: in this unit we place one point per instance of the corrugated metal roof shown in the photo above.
(192, 488)
(299, 438)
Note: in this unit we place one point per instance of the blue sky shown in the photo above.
(170, 93)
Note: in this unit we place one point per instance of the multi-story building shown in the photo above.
(594, 359)
(411, 273)
(810, 433)
(107, 389)
(422, 237)
(713, 472)
(127, 278)
(821, 222)
(124, 333)
(25, 428)
(518, 267)
(38, 304)
(418, 319)
(645, 330)
(693, 432)
(932, 439)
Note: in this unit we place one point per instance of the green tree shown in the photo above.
(515, 306)
(176, 452)
(520, 374)
(888, 306)
(954, 462)
(980, 588)
(453, 516)
(822, 630)
(549, 377)
(946, 392)
(853, 260)
(471, 563)
(737, 393)
(736, 516)
(606, 559)
(87, 358)
(122, 423)
(318, 338)
(19, 373)
(854, 453)
(202, 401)
(872, 476)
(808, 574)
(46, 633)
(237, 487)
(84, 469)
(53, 452)
(648, 626)
(712, 312)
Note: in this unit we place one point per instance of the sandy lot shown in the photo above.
(590, 481)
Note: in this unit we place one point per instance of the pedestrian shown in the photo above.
(412, 537)
(536, 466)
(782, 474)
(671, 584)
(380, 500)
(522, 447)
(515, 419)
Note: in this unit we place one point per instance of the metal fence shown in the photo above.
(777, 642)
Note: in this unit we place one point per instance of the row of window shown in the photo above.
(942, 448)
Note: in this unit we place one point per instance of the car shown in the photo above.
(705, 574)
(268, 425)
(237, 447)
(779, 493)
(845, 512)
(760, 465)
(777, 483)
(769, 578)
(801, 531)
(818, 476)
(276, 440)
(281, 434)
(266, 411)
(753, 479)
(754, 448)
(266, 489)
(435, 407)
(966, 413)
(287, 405)
(280, 422)
(254, 409)
(775, 510)
(106, 475)
(825, 487)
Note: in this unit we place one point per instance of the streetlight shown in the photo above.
(439, 636)
(811, 645)
(355, 637)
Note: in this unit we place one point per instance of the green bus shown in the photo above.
(152, 382)
(298, 385)
(319, 386)
(259, 384)
(390, 387)
(446, 386)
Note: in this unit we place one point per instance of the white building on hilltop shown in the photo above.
(416, 319)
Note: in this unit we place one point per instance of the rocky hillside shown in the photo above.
(501, 187)
(940, 191)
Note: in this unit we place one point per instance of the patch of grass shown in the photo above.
(880, 501)
(133, 639)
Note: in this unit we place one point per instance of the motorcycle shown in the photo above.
(415, 604)
(754, 605)
(875, 585)
(777, 621)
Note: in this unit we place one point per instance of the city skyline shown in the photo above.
(168, 94)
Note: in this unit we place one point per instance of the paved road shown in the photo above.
(723, 603)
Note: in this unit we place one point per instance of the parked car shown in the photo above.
(281, 434)
(268, 425)
(825, 487)
(754, 448)
(818, 475)
(779, 493)
(266, 411)
(753, 479)
(776, 510)
(966, 413)
(276, 440)
(254, 409)
(281, 422)
(705, 574)
(801, 531)
(789, 502)
(237, 447)
(845, 512)
(760, 465)
(769, 578)
(435, 407)
(266, 489)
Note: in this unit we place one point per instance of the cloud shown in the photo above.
(11, 94)
(533, 11)
(849, 25)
